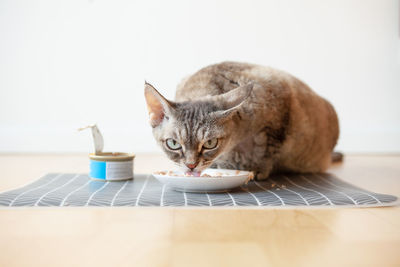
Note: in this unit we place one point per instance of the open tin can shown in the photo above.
(111, 166)
(108, 166)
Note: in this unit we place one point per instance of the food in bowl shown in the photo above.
(206, 175)
(191, 174)
(210, 180)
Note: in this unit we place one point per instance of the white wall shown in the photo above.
(65, 64)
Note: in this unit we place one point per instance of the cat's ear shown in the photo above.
(236, 97)
(157, 105)
(232, 100)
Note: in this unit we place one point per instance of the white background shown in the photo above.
(65, 64)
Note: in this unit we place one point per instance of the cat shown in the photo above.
(243, 116)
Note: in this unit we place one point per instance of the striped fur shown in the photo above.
(265, 120)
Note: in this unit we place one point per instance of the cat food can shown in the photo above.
(111, 166)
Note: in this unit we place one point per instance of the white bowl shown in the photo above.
(221, 181)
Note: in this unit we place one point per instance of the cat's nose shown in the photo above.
(191, 166)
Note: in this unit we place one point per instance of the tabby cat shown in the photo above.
(244, 116)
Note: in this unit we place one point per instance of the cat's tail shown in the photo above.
(337, 156)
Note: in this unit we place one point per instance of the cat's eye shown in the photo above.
(210, 144)
(172, 144)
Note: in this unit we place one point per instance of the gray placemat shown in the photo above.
(68, 189)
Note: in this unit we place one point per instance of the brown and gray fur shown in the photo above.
(265, 120)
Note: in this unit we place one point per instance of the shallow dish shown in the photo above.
(221, 180)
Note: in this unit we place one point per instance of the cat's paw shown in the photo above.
(261, 176)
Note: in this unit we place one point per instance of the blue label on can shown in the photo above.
(98, 169)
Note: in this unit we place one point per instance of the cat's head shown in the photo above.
(194, 133)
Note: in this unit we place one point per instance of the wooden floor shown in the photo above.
(199, 237)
